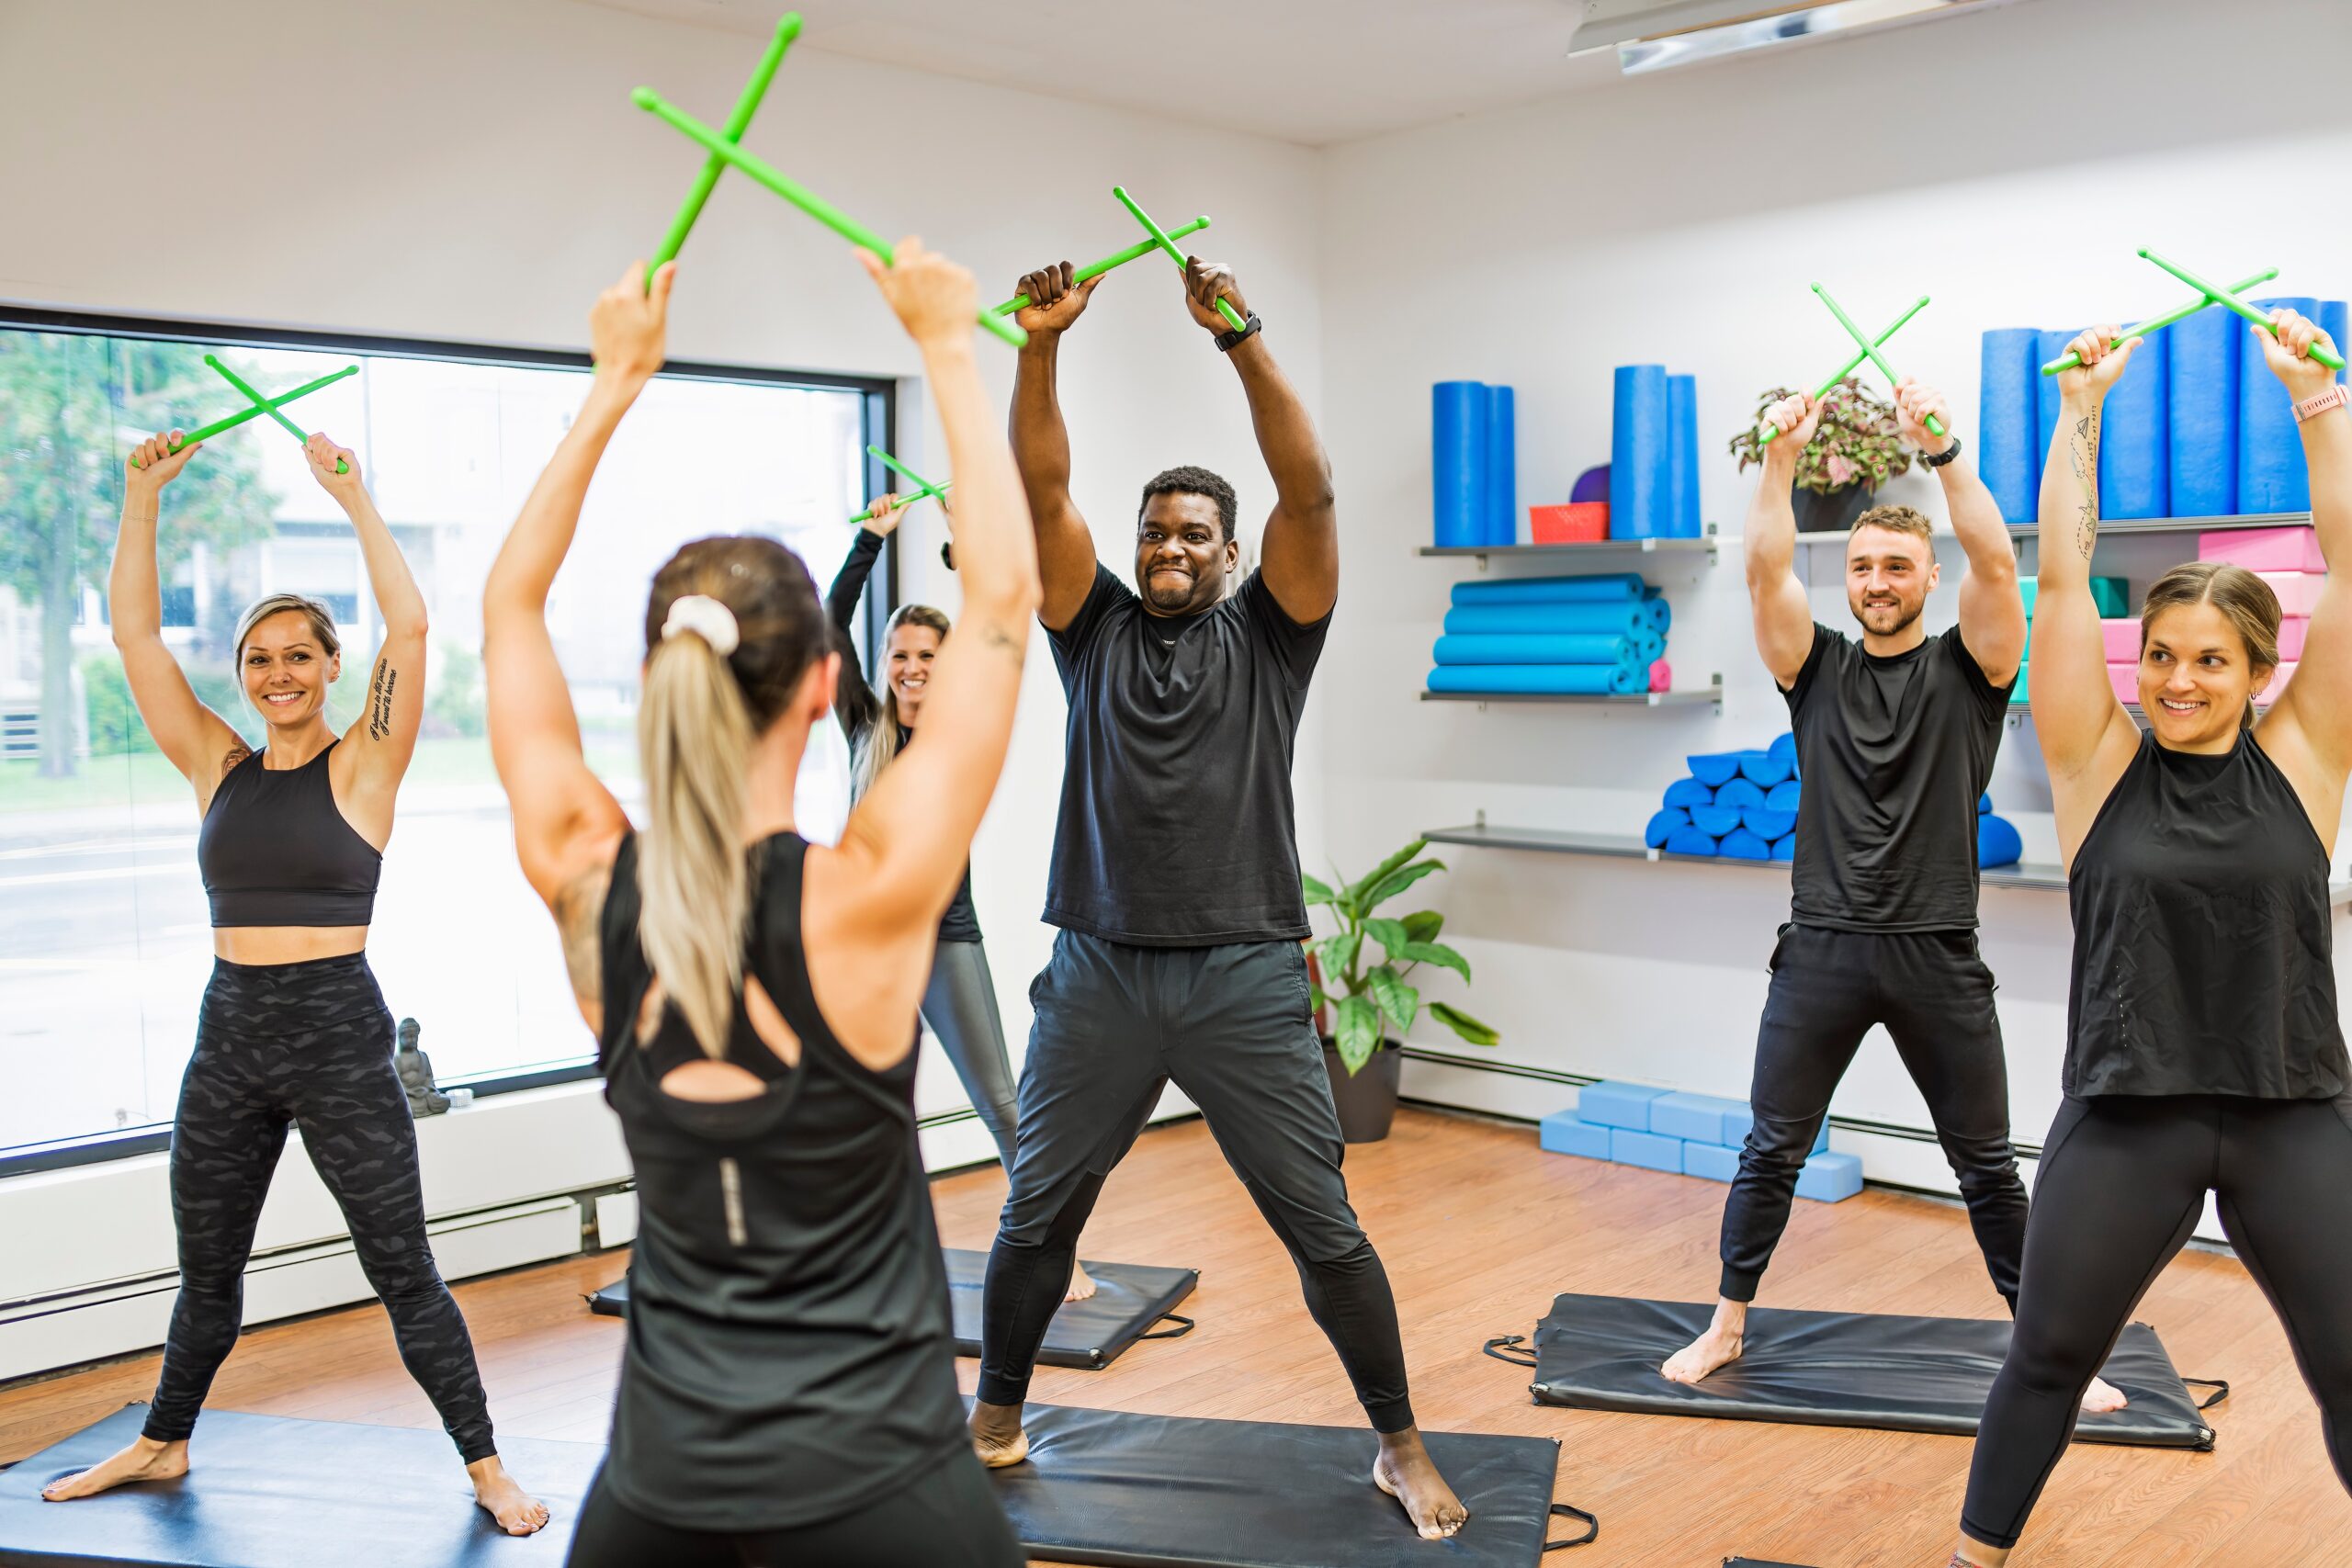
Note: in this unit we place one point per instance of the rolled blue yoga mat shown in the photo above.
(1785, 849)
(1541, 679)
(1714, 767)
(1458, 412)
(2271, 475)
(1649, 646)
(1660, 613)
(2335, 321)
(2008, 419)
(1767, 824)
(1715, 820)
(1640, 453)
(1530, 648)
(1502, 466)
(1998, 843)
(1689, 841)
(1682, 456)
(1591, 588)
(1625, 618)
(2202, 371)
(1739, 794)
(1766, 768)
(1741, 844)
(1663, 824)
(2051, 347)
(1688, 792)
(2135, 436)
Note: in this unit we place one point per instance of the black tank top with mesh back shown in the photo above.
(2202, 936)
(790, 1355)
(275, 850)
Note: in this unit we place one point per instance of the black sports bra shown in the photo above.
(276, 851)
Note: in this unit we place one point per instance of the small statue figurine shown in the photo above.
(416, 1069)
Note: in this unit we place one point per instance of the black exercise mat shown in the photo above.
(1128, 1300)
(1104, 1486)
(1757, 1562)
(1832, 1368)
(272, 1492)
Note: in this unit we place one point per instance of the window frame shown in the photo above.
(878, 411)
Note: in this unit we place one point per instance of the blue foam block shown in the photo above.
(1663, 824)
(1714, 767)
(1547, 680)
(1784, 796)
(1766, 768)
(2202, 373)
(2008, 421)
(1640, 453)
(1741, 844)
(1715, 820)
(1458, 412)
(1691, 841)
(1502, 466)
(1612, 1104)
(2046, 399)
(1737, 1123)
(1706, 1160)
(1985, 804)
(1825, 1179)
(1689, 793)
(1601, 587)
(1739, 794)
(1785, 849)
(1784, 745)
(1592, 485)
(1682, 456)
(2135, 436)
(1767, 824)
(1695, 1118)
(1646, 1149)
(1998, 843)
(1566, 1132)
(1624, 618)
(2271, 475)
(1535, 647)
(2335, 321)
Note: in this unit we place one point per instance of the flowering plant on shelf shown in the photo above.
(1858, 441)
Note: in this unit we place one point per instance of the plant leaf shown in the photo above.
(1389, 934)
(1317, 891)
(1462, 1023)
(1398, 1000)
(1438, 954)
(1316, 1001)
(1359, 1032)
(1378, 874)
(1339, 955)
(1424, 926)
(1398, 881)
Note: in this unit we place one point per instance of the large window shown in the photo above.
(104, 939)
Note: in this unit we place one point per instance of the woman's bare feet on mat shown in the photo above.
(516, 1511)
(1082, 1283)
(1405, 1472)
(1717, 1347)
(2101, 1397)
(144, 1460)
(997, 1436)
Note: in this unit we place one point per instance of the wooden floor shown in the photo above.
(1479, 1229)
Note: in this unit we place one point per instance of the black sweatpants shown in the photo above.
(308, 1045)
(1935, 996)
(948, 1516)
(2122, 1184)
(1231, 1026)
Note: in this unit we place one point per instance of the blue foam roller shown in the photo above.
(1694, 1118)
(2335, 321)
(1715, 820)
(1682, 456)
(1649, 646)
(1502, 466)
(1458, 461)
(2051, 347)
(1691, 841)
(1627, 680)
(1767, 824)
(1536, 647)
(1639, 454)
(1664, 822)
(1534, 680)
(1784, 796)
(2135, 436)
(1592, 485)
(1613, 1104)
(1767, 768)
(1566, 1132)
(1785, 849)
(1741, 844)
(1624, 618)
(1599, 587)
(1714, 767)
(2008, 420)
(1998, 843)
(1688, 792)
(1660, 612)
(2271, 475)
(2202, 375)
(1825, 1179)
(1985, 804)
(1646, 1150)
(1784, 745)
(1739, 794)
(1708, 1161)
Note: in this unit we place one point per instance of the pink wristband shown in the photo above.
(2336, 397)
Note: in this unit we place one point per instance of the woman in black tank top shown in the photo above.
(788, 1391)
(2204, 1052)
(293, 1030)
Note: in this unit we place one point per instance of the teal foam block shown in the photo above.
(2027, 588)
(1767, 824)
(1694, 1118)
(1785, 849)
(1650, 1151)
(1825, 1179)
(1688, 792)
(1714, 1163)
(1663, 824)
(1531, 647)
(1612, 1104)
(1767, 768)
(1714, 767)
(1621, 587)
(1741, 844)
(1621, 617)
(1782, 797)
(1549, 680)
(1739, 794)
(1691, 841)
(1566, 1132)
(1715, 820)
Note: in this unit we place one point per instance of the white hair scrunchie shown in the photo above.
(706, 618)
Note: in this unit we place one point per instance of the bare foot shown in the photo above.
(144, 1460)
(2101, 1397)
(516, 1511)
(997, 1436)
(1717, 1347)
(1405, 1472)
(1081, 1285)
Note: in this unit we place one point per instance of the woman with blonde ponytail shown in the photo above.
(788, 1392)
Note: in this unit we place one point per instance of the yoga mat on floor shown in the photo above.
(2134, 456)
(1541, 679)
(2271, 475)
(269, 1492)
(1536, 647)
(1758, 1562)
(1625, 617)
(1458, 412)
(1130, 1300)
(1502, 466)
(1831, 1369)
(2051, 347)
(1662, 825)
(1620, 588)
(2335, 321)
(1109, 1486)
(2008, 418)
(1682, 456)
(2202, 374)
(1640, 453)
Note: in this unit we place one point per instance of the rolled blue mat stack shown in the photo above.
(1690, 1134)
(1473, 464)
(1600, 635)
(1741, 805)
(1654, 455)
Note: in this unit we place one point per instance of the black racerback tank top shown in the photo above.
(2203, 959)
(275, 850)
(790, 1355)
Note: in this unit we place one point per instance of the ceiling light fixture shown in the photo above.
(1657, 35)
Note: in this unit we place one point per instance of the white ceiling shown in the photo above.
(1312, 71)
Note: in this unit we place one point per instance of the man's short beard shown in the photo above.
(1911, 613)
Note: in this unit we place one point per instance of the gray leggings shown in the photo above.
(960, 1006)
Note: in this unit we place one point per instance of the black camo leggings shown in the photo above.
(309, 1044)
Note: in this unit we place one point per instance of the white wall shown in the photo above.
(2007, 164)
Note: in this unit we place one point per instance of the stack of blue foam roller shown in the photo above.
(2197, 427)
(1690, 1134)
(1474, 460)
(1997, 840)
(1654, 455)
(1739, 803)
(1594, 636)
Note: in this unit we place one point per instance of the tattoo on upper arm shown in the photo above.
(579, 920)
(238, 751)
(2082, 455)
(380, 700)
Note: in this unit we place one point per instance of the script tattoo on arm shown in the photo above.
(2082, 455)
(379, 701)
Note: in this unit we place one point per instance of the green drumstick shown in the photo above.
(1233, 318)
(268, 405)
(1140, 248)
(1767, 431)
(2069, 360)
(291, 428)
(737, 123)
(924, 489)
(2227, 298)
(1935, 425)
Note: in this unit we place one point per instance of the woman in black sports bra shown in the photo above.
(788, 1391)
(293, 1030)
(2203, 1048)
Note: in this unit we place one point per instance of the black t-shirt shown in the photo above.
(1893, 753)
(1177, 825)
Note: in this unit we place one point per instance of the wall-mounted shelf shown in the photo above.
(2138, 715)
(2110, 527)
(1714, 694)
(1598, 549)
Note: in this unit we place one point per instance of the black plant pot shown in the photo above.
(1831, 513)
(1367, 1100)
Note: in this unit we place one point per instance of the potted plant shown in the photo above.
(1856, 447)
(1374, 998)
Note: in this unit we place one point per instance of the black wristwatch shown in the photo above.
(1938, 460)
(1226, 341)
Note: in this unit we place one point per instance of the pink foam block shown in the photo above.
(2290, 637)
(2271, 693)
(2125, 679)
(2298, 591)
(2122, 641)
(2264, 549)
(1661, 676)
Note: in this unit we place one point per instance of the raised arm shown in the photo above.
(1776, 597)
(1065, 550)
(854, 705)
(1992, 613)
(381, 740)
(198, 742)
(2087, 739)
